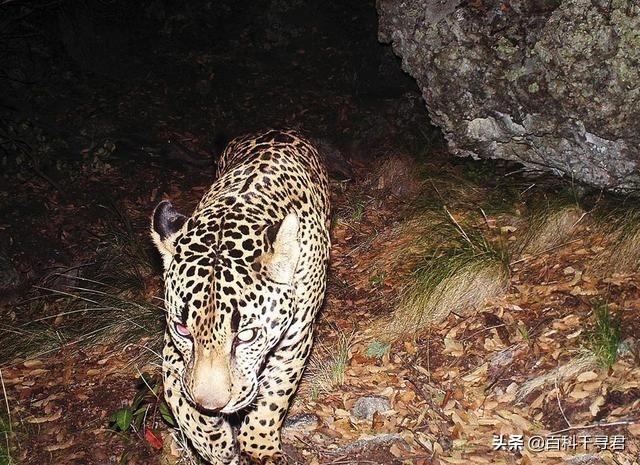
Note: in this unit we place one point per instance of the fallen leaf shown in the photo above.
(587, 376)
(32, 363)
(594, 408)
(60, 446)
(153, 439)
(46, 418)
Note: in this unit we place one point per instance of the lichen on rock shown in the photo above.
(552, 84)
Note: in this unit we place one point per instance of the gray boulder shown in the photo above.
(552, 84)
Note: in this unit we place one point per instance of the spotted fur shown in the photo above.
(244, 279)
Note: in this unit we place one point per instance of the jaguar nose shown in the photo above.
(211, 385)
(212, 400)
(211, 394)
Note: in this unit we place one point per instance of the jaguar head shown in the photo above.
(230, 298)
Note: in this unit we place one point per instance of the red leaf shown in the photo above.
(153, 439)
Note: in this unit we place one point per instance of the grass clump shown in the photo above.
(328, 364)
(397, 175)
(550, 227)
(398, 250)
(358, 210)
(457, 277)
(524, 333)
(603, 335)
(131, 253)
(552, 221)
(468, 184)
(6, 434)
(90, 312)
(354, 210)
(378, 279)
(104, 301)
(623, 254)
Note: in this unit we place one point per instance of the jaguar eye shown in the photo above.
(247, 335)
(182, 330)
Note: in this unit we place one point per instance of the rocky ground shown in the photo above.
(467, 303)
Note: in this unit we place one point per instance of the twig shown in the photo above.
(528, 188)
(437, 191)
(309, 445)
(560, 403)
(595, 205)
(519, 170)
(487, 328)
(144, 380)
(349, 461)
(427, 399)
(429, 356)
(484, 216)
(524, 259)
(147, 349)
(596, 425)
(462, 231)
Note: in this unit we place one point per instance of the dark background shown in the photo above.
(105, 102)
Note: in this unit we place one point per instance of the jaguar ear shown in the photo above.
(281, 261)
(165, 224)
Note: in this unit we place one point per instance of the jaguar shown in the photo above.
(244, 279)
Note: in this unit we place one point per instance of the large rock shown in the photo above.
(549, 83)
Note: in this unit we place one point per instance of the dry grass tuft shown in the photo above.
(327, 366)
(105, 301)
(457, 288)
(550, 227)
(90, 312)
(477, 186)
(560, 374)
(623, 254)
(448, 188)
(455, 279)
(399, 249)
(397, 175)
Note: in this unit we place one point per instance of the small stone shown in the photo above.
(627, 347)
(302, 421)
(366, 406)
(586, 459)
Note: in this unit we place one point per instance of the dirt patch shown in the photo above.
(65, 402)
